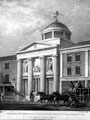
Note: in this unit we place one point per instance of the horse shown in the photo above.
(41, 96)
(49, 98)
(63, 97)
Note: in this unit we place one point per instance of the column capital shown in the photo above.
(86, 50)
(42, 57)
(55, 55)
(19, 60)
(29, 59)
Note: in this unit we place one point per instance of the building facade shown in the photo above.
(50, 64)
(8, 75)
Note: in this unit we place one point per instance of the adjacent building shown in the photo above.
(8, 75)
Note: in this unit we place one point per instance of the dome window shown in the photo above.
(42, 37)
(48, 35)
(58, 34)
(67, 36)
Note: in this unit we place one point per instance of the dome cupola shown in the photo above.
(56, 30)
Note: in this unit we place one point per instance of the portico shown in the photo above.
(38, 75)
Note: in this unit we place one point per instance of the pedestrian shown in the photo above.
(80, 85)
(1, 96)
(31, 96)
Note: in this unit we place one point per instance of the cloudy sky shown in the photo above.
(21, 21)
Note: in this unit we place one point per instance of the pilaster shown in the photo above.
(86, 66)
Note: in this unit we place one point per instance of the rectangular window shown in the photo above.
(69, 58)
(7, 78)
(77, 70)
(67, 36)
(58, 34)
(77, 56)
(48, 35)
(69, 71)
(6, 65)
(36, 84)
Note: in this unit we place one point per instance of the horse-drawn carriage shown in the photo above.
(54, 98)
(77, 96)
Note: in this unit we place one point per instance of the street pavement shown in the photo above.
(23, 106)
(38, 106)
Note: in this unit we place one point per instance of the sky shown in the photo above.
(21, 21)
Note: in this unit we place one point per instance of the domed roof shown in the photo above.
(58, 25)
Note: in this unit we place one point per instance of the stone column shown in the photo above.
(61, 69)
(19, 77)
(55, 73)
(86, 66)
(42, 74)
(30, 75)
(60, 87)
(52, 33)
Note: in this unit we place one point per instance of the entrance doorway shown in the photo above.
(25, 87)
(36, 84)
(49, 85)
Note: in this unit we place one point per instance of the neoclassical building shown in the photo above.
(52, 63)
(39, 65)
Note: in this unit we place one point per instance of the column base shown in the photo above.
(60, 88)
(27, 97)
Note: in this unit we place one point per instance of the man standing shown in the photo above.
(31, 96)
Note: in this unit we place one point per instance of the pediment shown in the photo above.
(34, 46)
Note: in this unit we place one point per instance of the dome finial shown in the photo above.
(56, 16)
